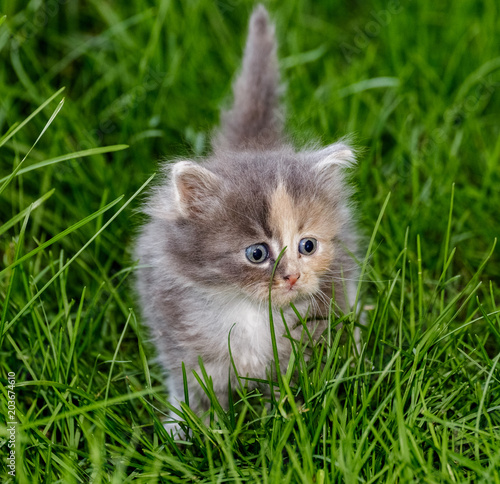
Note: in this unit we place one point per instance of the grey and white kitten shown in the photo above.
(216, 228)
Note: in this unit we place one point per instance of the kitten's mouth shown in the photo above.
(284, 295)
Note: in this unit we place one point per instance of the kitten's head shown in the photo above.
(231, 218)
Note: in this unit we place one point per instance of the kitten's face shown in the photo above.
(233, 230)
(305, 228)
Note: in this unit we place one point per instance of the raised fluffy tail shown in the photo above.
(254, 120)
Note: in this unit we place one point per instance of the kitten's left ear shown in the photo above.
(195, 188)
(336, 155)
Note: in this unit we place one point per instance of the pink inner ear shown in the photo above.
(189, 189)
(194, 186)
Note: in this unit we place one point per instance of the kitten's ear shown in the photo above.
(195, 188)
(336, 155)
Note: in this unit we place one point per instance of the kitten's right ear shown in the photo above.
(338, 154)
(195, 188)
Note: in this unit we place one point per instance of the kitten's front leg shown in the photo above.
(199, 401)
(175, 397)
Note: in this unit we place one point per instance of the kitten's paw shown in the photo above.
(175, 430)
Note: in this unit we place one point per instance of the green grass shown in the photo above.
(418, 85)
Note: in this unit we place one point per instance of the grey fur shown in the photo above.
(255, 118)
(194, 283)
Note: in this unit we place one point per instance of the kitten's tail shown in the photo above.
(254, 119)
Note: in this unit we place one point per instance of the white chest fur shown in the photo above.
(250, 336)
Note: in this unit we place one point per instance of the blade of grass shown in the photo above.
(61, 235)
(14, 220)
(18, 167)
(271, 320)
(69, 156)
(9, 135)
(70, 261)
(13, 273)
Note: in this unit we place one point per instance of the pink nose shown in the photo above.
(292, 279)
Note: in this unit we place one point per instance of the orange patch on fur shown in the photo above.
(284, 215)
(287, 216)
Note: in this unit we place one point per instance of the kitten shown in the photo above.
(216, 229)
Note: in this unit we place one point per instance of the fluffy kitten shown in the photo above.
(217, 227)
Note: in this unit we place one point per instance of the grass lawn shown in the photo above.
(93, 94)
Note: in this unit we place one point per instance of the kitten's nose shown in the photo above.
(292, 279)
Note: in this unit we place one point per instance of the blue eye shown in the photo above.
(257, 253)
(308, 246)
